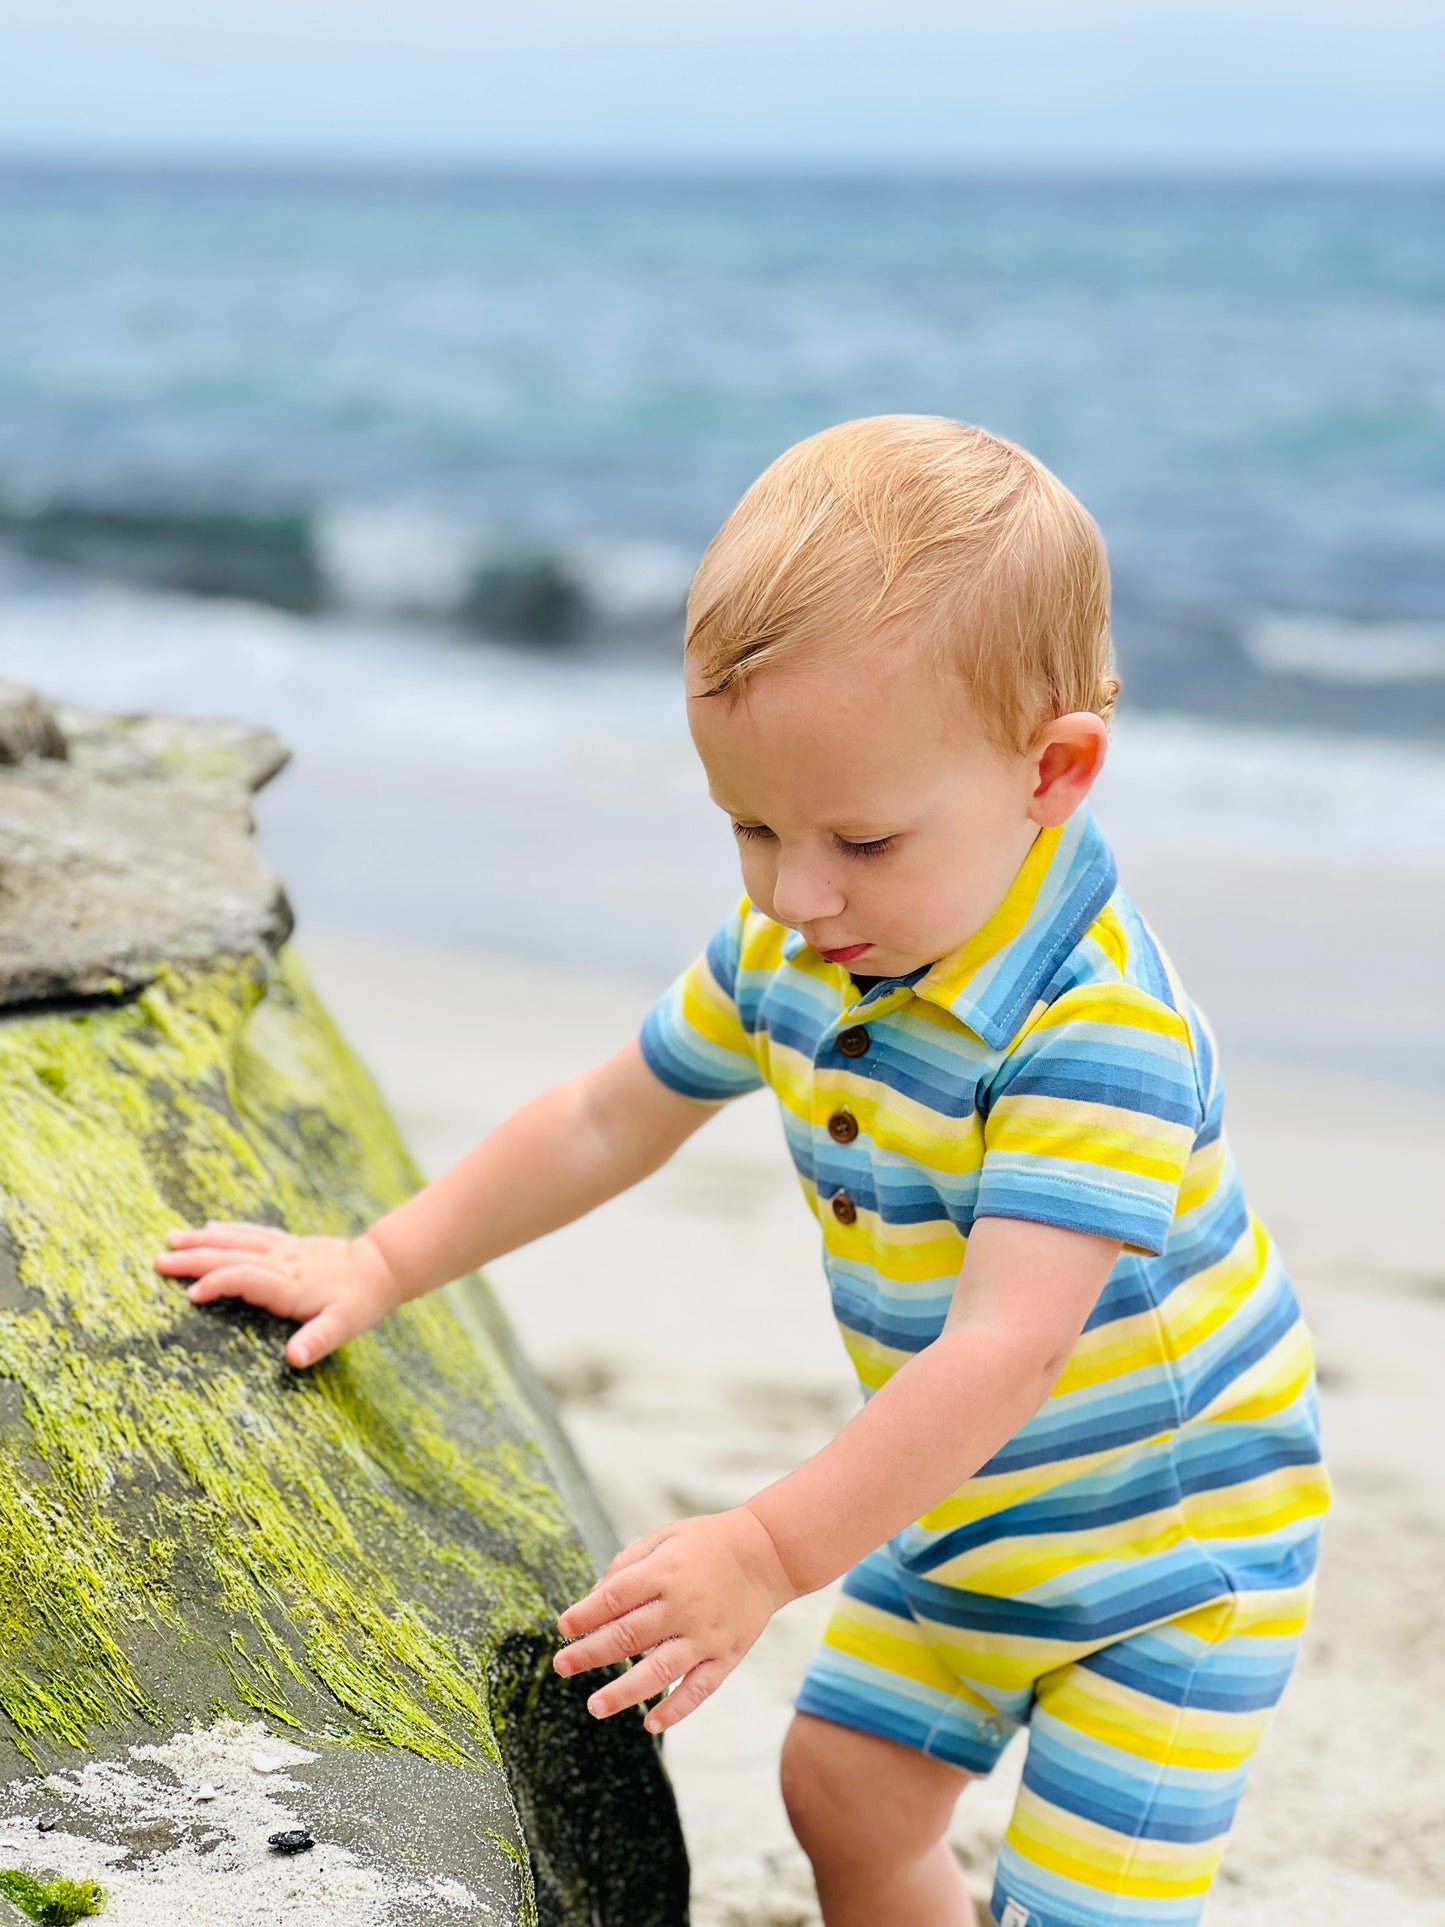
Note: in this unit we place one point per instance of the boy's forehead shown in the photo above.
(867, 690)
(853, 740)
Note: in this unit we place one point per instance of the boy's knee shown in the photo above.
(851, 1795)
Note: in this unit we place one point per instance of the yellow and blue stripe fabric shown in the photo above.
(1137, 1751)
(1052, 1069)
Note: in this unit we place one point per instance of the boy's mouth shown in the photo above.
(847, 955)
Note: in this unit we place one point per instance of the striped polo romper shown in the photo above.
(1130, 1574)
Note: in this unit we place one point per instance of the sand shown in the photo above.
(685, 1330)
(213, 1796)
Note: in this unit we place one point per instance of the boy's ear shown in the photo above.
(1067, 758)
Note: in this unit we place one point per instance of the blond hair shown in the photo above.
(914, 527)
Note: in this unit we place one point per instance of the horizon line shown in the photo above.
(657, 169)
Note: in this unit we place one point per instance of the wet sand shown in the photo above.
(685, 1329)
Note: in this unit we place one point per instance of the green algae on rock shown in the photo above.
(371, 1554)
(54, 1903)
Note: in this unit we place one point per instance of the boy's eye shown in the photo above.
(761, 833)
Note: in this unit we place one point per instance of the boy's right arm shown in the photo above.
(562, 1154)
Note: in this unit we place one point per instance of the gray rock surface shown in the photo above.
(126, 841)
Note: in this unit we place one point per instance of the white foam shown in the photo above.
(1332, 649)
(401, 560)
(633, 581)
(1293, 796)
(395, 561)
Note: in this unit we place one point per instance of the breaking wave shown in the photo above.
(393, 562)
(413, 568)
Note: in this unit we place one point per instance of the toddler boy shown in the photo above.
(1084, 1490)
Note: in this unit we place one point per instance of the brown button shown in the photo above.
(843, 1127)
(853, 1042)
(844, 1209)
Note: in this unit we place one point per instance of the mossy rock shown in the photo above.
(370, 1555)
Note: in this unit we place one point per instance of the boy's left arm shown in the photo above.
(695, 1595)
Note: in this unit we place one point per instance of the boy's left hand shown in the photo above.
(694, 1596)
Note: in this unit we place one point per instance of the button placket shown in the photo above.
(842, 1126)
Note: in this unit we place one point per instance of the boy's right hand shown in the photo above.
(337, 1287)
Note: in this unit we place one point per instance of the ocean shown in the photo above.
(416, 469)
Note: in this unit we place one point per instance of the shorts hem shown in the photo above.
(969, 1755)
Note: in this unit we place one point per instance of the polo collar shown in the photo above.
(992, 982)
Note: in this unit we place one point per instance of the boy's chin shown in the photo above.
(878, 962)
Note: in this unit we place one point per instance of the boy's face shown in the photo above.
(872, 813)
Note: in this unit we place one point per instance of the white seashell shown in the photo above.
(268, 1762)
(206, 1792)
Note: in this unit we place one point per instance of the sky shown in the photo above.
(1322, 86)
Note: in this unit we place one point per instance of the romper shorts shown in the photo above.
(1138, 1747)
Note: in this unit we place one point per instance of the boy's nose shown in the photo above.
(803, 893)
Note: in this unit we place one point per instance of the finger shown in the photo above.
(253, 1237)
(610, 1598)
(318, 1337)
(686, 1697)
(639, 1549)
(240, 1228)
(256, 1285)
(201, 1259)
(631, 1634)
(651, 1675)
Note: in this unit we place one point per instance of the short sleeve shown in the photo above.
(1092, 1117)
(694, 1038)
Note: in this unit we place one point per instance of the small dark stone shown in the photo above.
(293, 1840)
(45, 1824)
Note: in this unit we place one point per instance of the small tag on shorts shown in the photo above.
(1013, 1915)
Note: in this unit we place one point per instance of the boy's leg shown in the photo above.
(1137, 1758)
(887, 1736)
(871, 1816)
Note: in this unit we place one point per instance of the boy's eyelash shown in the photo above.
(759, 832)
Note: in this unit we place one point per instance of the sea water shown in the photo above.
(416, 469)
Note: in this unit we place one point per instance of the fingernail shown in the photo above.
(301, 1356)
(652, 1725)
(595, 1706)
